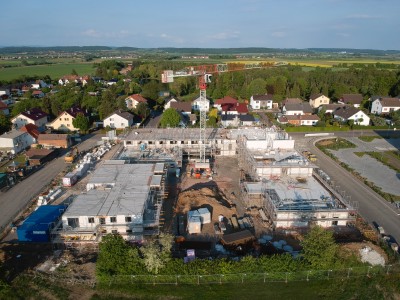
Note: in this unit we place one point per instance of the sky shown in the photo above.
(359, 24)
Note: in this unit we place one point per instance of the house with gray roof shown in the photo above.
(119, 120)
(385, 105)
(303, 108)
(347, 113)
(351, 99)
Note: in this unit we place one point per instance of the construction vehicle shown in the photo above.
(71, 155)
(309, 155)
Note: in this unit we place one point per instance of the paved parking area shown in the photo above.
(370, 168)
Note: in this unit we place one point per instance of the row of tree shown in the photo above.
(116, 257)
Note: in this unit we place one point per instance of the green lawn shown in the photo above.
(369, 138)
(54, 71)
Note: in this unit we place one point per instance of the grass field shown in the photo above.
(54, 71)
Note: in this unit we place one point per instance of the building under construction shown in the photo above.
(284, 185)
(121, 198)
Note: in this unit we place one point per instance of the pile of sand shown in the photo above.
(205, 197)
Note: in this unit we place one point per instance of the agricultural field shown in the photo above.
(54, 70)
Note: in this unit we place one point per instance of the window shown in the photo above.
(129, 231)
(68, 125)
(128, 219)
(102, 221)
(111, 119)
(114, 231)
(113, 219)
(91, 220)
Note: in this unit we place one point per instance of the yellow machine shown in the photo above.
(71, 155)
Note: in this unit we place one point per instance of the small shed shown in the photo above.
(40, 156)
(36, 228)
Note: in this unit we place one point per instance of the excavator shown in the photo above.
(71, 155)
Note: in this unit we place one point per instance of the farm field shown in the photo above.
(54, 71)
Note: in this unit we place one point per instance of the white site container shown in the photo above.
(194, 225)
(205, 215)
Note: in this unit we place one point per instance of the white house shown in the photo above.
(33, 116)
(385, 105)
(316, 100)
(133, 100)
(15, 141)
(347, 113)
(119, 120)
(196, 104)
(261, 101)
(169, 101)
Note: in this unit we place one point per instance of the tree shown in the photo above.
(170, 118)
(257, 87)
(5, 124)
(114, 256)
(319, 248)
(81, 122)
(152, 257)
(142, 110)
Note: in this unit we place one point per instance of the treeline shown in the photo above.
(116, 257)
(25, 49)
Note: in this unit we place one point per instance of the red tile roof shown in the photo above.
(226, 100)
(31, 129)
(138, 98)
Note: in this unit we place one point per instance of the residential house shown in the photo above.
(111, 82)
(7, 99)
(291, 101)
(347, 113)
(261, 101)
(37, 94)
(64, 121)
(4, 109)
(316, 100)
(39, 84)
(54, 140)
(67, 79)
(39, 157)
(351, 99)
(15, 141)
(226, 102)
(299, 120)
(330, 108)
(385, 105)
(119, 120)
(292, 109)
(4, 92)
(196, 104)
(133, 100)
(237, 120)
(238, 109)
(32, 130)
(168, 101)
(184, 108)
(33, 116)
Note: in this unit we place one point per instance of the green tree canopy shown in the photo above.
(170, 118)
(319, 248)
(81, 122)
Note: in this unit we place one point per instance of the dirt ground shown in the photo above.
(354, 248)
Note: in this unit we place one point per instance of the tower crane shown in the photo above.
(204, 74)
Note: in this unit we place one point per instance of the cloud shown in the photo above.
(172, 38)
(362, 17)
(104, 34)
(225, 35)
(279, 34)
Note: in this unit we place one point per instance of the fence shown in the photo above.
(242, 278)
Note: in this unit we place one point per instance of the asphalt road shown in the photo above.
(16, 199)
(372, 207)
